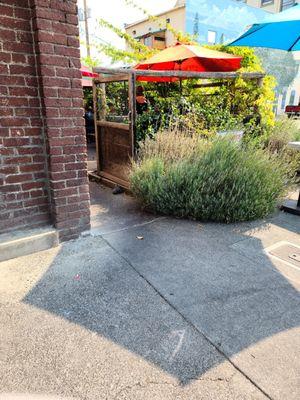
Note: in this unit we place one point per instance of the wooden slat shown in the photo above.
(117, 125)
(109, 182)
(211, 84)
(114, 78)
(115, 179)
(182, 74)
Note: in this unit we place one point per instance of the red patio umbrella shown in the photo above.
(183, 57)
(87, 76)
(85, 71)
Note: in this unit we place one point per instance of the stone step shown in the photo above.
(21, 243)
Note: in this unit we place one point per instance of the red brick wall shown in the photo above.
(43, 172)
(23, 192)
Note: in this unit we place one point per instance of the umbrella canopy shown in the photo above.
(182, 57)
(86, 72)
(87, 76)
(279, 31)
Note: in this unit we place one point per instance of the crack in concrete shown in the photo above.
(143, 386)
(159, 383)
(219, 379)
(96, 232)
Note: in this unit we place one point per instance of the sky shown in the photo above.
(118, 13)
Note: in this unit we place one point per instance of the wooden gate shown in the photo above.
(115, 126)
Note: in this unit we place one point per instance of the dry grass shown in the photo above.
(172, 146)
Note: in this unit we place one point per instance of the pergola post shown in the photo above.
(132, 108)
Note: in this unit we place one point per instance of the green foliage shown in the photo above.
(116, 94)
(180, 117)
(90, 62)
(248, 99)
(138, 51)
(147, 124)
(235, 105)
(88, 98)
(207, 180)
(217, 107)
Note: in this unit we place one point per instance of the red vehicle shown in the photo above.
(292, 111)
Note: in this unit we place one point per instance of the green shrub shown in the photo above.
(276, 140)
(213, 180)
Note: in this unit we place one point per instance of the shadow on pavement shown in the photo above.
(154, 296)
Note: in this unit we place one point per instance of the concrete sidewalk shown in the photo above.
(155, 309)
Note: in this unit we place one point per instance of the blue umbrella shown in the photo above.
(278, 31)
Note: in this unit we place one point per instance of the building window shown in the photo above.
(134, 32)
(266, 2)
(168, 20)
(159, 41)
(211, 37)
(287, 4)
(148, 41)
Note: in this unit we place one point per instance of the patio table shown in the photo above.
(293, 206)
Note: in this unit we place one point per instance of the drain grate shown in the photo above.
(286, 252)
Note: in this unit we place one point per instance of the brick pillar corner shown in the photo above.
(55, 27)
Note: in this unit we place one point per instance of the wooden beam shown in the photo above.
(211, 84)
(113, 71)
(114, 179)
(182, 74)
(95, 106)
(110, 180)
(113, 78)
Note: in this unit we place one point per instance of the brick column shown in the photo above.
(23, 179)
(55, 29)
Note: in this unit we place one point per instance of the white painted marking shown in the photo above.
(180, 336)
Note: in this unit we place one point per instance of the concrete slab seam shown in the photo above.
(235, 366)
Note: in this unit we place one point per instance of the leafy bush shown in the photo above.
(180, 117)
(246, 97)
(214, 180)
